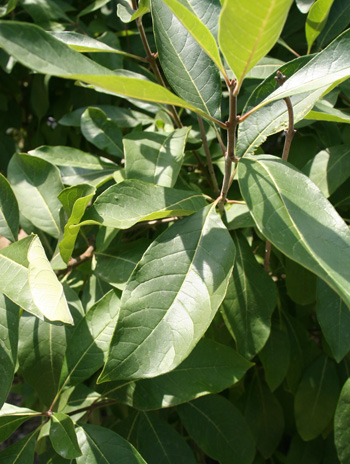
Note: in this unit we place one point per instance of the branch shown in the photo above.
(74, 262)
(281, 78)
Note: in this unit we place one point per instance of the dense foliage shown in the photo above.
(175, 250)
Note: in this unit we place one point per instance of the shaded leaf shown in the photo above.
(11, 417)
(329, 168)
(36, 184)
(324, 111)
(294, 215)
(300, 282)
(338, 20)
(210, 368)
(192, 75)
(316, 398)
(245, 36)
(238, 216)
(219, 429)
(127, 14)
(341, 424)
(102, 132)
(123, 205)
(63, 436)
(9, 215)
(88, 345)
(8, 7)
(21, 452)
(250, 300)
(95, 5)
(264, 415)
(334, 318)
(171, 297)
(9, 320)
(155, 157)
(99, 444)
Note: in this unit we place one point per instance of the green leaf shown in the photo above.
(250, 300)
(78, 397)
(158, 441)
(9, 320)
(338, 20)
(11, 417)
(197, 29)
(38, 50)
(36, 184)
(21, 452)
(316, 398)
(14, 275)
(127, 14)
(219, 429)
(63, 436)
(264, 415)
(300, 283)
(8, 7)
(41, 362)
(47, 291)
(102, 132)
(155, 157)
(79, 197)
(341, 424)
(9, 215)
(238, 216)
(46, 13)
(293, 214)
(304, 5)
(324, 71)
(116, 265)
(324, 111)
(95, 5)
(210, 368)
(316, 20)
(99, 444)
(73, 176)
(88, 346)
(193, 75)
(70, 157)
(272, 118)
(246, 36)
(334, 318)
(275, 355)
(329, 168)
(123, 205)
(165, 313)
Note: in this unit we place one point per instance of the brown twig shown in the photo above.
(74, 262)
(281, 78)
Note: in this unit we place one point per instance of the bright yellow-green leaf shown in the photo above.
(316, 20)
(47, 291)
(248, 30)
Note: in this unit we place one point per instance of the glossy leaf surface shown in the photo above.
(63, 436)
(46, 290)
(123, 205)
(316, 398)
(245, 36)
(155, 157)
(210, 368)
(21, 452)
(294, 215)
(9, 320)
(9, 215)
(11, 417)
(316, 20)
(219, 429)
(171, 297)
(192, 75)
(37, 50)
(36, 184)
(99, 444)
(250, 300)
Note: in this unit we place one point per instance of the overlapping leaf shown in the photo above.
(171, 297)
(63, 436)
(9, 215)
(295, 216)
(341, 424)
